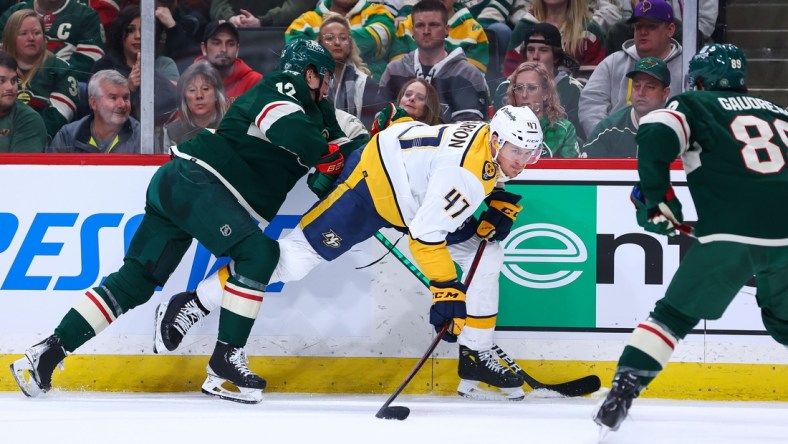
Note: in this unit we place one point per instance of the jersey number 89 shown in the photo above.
(760, 153)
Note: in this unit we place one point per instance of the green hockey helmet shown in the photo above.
(718, 67)
(300, 53)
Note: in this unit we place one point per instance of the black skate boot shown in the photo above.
(174, 319)
(228, 364)
(483, 366)
(615, 407)
(40, 361)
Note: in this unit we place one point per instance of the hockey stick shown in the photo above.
(576, 387)
(387, 411)
(684, 229)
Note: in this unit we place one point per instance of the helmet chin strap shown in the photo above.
(500, 175)
(316, 91)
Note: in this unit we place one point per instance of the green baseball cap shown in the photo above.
(653, 66)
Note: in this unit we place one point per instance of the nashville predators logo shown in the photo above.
(331, 239)
(488, 170)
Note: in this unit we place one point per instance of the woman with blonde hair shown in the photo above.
(201, 103)
(46, 83)
(354, 91)
(581, 36)
(533, 86)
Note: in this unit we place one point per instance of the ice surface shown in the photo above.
(85, 418)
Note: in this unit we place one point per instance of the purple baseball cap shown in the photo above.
(656, 10)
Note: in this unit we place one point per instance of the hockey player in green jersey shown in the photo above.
(269, 138)
(734, 148)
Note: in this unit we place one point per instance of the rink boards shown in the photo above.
(579, 275)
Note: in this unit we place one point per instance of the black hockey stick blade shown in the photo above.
(576, 387)
(398, 412)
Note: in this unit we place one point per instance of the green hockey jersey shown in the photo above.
(74, 34)
(734, 149)
(53, 92)
(267, 141)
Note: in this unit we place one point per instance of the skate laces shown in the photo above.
(626, 383)
(491, 362)
(239, 360)
(187, 316)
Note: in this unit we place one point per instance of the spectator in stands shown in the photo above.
(353, 90)
(608, 88)
(74, 32)
(606, 13)
(123, 55)
(259, 13)
(464, 32)
(107, 10)
(461, 86)
(581, 36)
(372, 28)
(178, 29)
(181, 29)
(110, 128)
(417, 100)
(420, 100)
(201, 8)
(46, 83)
(492, 15)
(533, 86)
(707, 20)
(21, 128)
(543, 45)
(201, 103)
(614, 136)
(220, 45)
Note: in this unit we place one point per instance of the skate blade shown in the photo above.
(22, 369)
(471, 390)
(214, 386)
(158, 342)
(603, 431)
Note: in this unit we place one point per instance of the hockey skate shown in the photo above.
(483, 367)
(228, 364)
(613, 410)
(174, 319)
(39, 362)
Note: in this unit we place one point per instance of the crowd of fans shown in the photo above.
(589, 69)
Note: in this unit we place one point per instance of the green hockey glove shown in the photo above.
(661, 218)
(321, 181)
(388, 115)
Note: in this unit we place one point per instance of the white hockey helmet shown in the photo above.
(520, 127)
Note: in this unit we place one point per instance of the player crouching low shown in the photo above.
(432, 184)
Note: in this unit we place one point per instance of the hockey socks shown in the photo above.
(240, 305)
(87, 318)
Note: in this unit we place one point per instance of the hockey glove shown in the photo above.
(448, 305)
(661, 218)
(388, 115)
(496, 223)
(326, 171)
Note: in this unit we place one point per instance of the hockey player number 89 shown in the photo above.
(771, 159)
